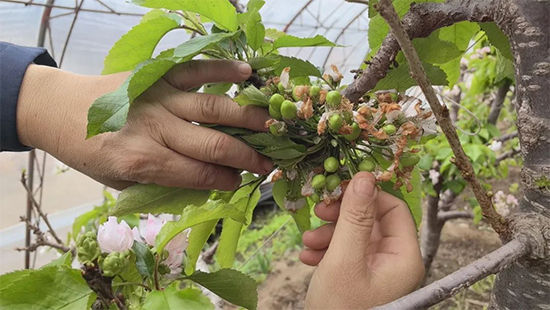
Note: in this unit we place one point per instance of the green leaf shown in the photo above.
(279, 191)
(193, 215)
(84, 219)
(231, 285)
(9, 278)
(222, 12)
(109, 112)
(302, 218)
(147, 74)
(278, 153)
(274, 34)
(150, 198)
(498, 39)
(255, 5)
(145, 262)
(138, 44)
(172, 298)
(474, 151)
(400, 79)
(217, 89)
(455, 186)
(426, 162)
(255, 31)
(65, 259)
(54, 287)
(298, 67)
(197, 239)
(262, 62)
(504, 68)
(414, 198)
(433, 50)
(252, 96)
(292, 41)
(190, 48)
(478, 214)
(245, 200)
(460, 34)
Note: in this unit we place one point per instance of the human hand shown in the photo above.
(368, 255)
(159, 144)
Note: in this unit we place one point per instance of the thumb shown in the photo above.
(357, 216)
(195, 73)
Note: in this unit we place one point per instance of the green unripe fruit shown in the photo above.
(331, 164)
(281, 88)
(289, 110)
(87, 248)
(334, 98)
(333, 181)
(348, 116)
(114, 263)
(390, 129)
(315, 198)
(367, 165)
(409, 159)
(276, 114)
(295, 95)
(275, 101)
(354, 134)
(318, 181)
(278, 129)
(335, 122)
(314, 91)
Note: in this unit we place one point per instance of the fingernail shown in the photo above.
(245, 69)
(363, 187)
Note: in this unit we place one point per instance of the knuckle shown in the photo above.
(360, 215)
(209, 109)
(218, 147)
(135, 167)
(205, 178)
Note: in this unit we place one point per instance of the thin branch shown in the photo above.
(496, 106)
(453, 215)
(76, 12)
(507, 155)
(507, 137)
(70, 8)
(464, 277)
(461, 160)
(296, 16)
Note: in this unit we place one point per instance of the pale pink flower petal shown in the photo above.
(175, 249)
(152, 229)
(115, 237)
(137, 236)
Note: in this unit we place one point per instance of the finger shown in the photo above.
(311, 257)
(328, 213)
(208, 145)
(319, 238)
(195, 73)
(356, 220)
(213, 109)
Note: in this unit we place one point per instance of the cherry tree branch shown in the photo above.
(452, 215)
(464, 277)
(387, 11)
(421, 20)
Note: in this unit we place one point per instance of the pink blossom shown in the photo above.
(175, 249)
(115, 237)
(152, 229)
(511, 200)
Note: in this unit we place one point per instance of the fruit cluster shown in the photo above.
(377, 134)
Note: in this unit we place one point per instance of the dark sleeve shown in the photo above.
(14, 61)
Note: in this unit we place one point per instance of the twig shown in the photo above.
(507, 137)
(506, 155)
(464, 277)
(387, 11)
(208, 254)
(452, 215)
(70, 8)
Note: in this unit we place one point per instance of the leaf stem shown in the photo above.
(132, 283)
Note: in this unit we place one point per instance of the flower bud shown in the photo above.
(87, 248)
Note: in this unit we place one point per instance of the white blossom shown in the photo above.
(495, 145)
(294, 205)
(434, 176)
(115, 237)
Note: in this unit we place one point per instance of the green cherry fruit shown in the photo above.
(409, 159)
(295, 95)
(281, 88)
(354, 134)
(367, 165)
(276, 114)
(389, 129)
(314, 91)
(335, 122)
(278, 129)
(334, 98)
(333, 181)
(348, 116)
(315, 198)
(275, 101)
(289, 110)
(319, 181)
(331, 164)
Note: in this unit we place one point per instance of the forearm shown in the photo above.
(52, 108)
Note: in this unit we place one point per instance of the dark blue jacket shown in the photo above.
(14, 61)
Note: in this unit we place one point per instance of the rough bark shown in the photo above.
(497, 103)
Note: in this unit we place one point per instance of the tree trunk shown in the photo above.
(526, 285)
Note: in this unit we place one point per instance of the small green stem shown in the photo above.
(132, 283)
(156, 274)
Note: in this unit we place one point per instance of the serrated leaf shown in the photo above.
(245, 199)
(255, 5)
(274, 34)
(138, 44)
(53, 288)
(109, 112)
(231, 285)
(150, 198)
(65, 259)
(504, 68)
(264, 139)
(433, 50)
(292, 41)
(459, 34)
(400, 79)
(217, 89)
(298, 67)
(277, 153)
(147, 74)
(252, 96)
(9, 278)
(172, 298)
(145, 262)
(190, 48)
(194, 215)
(262, 62)
(498, 39)
(414, 198)
(255, 31)
(197, 239)
(221, 12)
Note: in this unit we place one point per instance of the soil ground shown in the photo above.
(286, 286)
